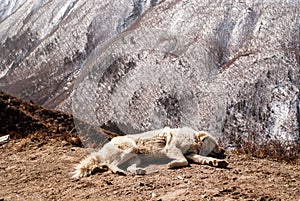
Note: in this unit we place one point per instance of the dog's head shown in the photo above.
(210, 146)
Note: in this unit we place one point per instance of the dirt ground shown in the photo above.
(41, 169)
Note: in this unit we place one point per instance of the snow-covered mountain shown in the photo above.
(224, 66)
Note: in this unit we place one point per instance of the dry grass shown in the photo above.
(273, 149)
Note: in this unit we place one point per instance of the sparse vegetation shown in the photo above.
(282, 151)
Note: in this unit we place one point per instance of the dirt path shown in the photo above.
(35, 169)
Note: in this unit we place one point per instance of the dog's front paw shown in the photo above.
(177, 164)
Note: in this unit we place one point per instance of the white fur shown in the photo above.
(179, 145)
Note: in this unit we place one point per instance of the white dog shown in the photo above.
(178, 145)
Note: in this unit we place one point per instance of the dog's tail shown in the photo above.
(88, 165)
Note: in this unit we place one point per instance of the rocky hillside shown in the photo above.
(227, 67)
(20, 119)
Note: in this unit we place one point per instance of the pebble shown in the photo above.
(180, 177)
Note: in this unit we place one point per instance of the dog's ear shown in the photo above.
(201, 136)
(207, 145)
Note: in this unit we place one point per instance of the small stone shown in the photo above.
(153, 195)
(180, 177)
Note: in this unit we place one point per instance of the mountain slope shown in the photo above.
(227, 67)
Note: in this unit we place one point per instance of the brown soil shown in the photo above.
(41, 169)
(37, 164)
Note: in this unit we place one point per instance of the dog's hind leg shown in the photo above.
(204, 160)
(178, 158)
(123, 157)
(133, 167)
(116, 170)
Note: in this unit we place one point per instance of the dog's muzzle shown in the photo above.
(219, 155)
